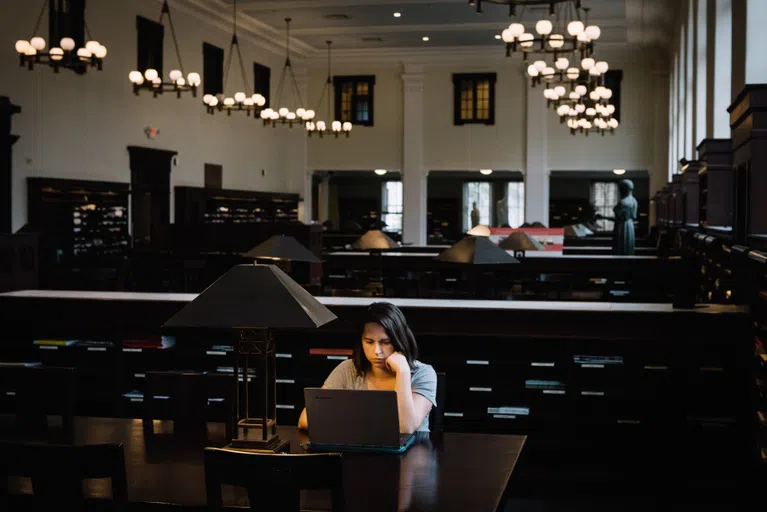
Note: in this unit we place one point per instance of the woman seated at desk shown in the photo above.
(385, 359)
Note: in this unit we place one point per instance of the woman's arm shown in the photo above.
(412, 407)
(303, 423)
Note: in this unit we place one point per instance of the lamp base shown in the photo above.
(255, 423)
(251, 443)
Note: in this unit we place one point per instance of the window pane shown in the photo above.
(467, 100)
(515, 195)
(604, 196)
(362, 88)
(483, 100)
(479, 193)
(362, 109)
(392, 206)
(347, 92)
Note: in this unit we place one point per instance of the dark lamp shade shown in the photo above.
(475, 250)
(374, 239)
(282, 248)
(521, 241)
(253, 297)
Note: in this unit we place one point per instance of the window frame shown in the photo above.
(385, 205)
(605, 209)
(150, 38)
(262, 76)
(475, 78)
(355, 80)
(212, 69)
(466, 220)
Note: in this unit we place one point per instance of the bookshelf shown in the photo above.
(195, 205)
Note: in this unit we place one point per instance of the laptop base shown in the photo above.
(350, 448)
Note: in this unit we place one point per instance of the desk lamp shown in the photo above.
(252, 301)
(519, 242)
(479, 230)
(374, 240)
(476, 250)
(282, 248)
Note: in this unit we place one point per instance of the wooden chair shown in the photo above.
(57, 472)
(188, 395)
(437, 414)
(273, 481)
(40, 391)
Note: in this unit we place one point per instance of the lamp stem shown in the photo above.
(166, 10)
(40, 18)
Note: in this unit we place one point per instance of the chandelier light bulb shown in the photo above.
(594, 72)
(591, 112)
(572, 123)
(206, 99)
(507, 36)
(602, 66)
(583, 37)
(321, 126)
(547, 93)
(612, 123)
(575, 27)
(556, 41)
(157, 82)
(239, 97)
(150, 74)
(560, 90)
(563, 110)
(248, 102)
(58, 54)
(539, 65)
(573, 73)
(194, 79)
(264, 114)
(347, 126)
(581, 90)
(38, 43)
(526, 40)
(92, 46)
(259, 100)
(610, 109)
(274, 116)
(283, 112)
(22, 45)
(607, 94)
(548, 72)
(594, 95)
(84, 53)
(181, 82)
(67, 44)
(291, 116)
(587, 63)
(300, 112)
(135, 77)
(101, 52)
(175, 75)
(336, 125)
(582, 122)
(310, 126)
(213, 101)
(600, 90)
(30, 51)
(580, 108)
(516, 29)
(593, 32)
(572, 112)
(228, 102)
(544, 27)
(575, 96)
(562, 63)
(310, 114)
(532, 70)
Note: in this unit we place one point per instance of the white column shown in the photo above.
(537, 161)
(680, 109)
(661, 130)
(689, 134)
(673, 146)
(299, 156)
(756, 42)
(413, 175)
(323, 199)
(701, 48)
(722, 67)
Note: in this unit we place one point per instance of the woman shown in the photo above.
(625, 215)
(385, 359)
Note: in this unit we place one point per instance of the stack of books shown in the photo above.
(152, 342)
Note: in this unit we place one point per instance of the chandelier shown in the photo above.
(320, 127)
(240, 102)
(70, 54)
(150, 79)
(513, 4)
(283, 115)
(562, 71)
(583, 110)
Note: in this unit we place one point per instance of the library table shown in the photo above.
(449, 472)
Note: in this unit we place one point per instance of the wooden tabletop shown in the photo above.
(458, 472)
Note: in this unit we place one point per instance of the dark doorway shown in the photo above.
(7, 110)
(150, 194)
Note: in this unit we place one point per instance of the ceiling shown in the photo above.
(368, 27)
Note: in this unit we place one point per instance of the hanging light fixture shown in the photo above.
(240, 101)
(321, 127)
(151, 80)
(513, 4)
(66, 55)
(283, 115)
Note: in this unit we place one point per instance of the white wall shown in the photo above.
(369, 147)
(78, 127)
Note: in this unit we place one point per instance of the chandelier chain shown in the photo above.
(40, 17)
(166, 10)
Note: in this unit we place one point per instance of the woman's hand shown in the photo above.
(397, 363)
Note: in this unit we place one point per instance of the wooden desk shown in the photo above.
(460, 472)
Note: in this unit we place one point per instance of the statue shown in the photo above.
(625, 215)
(474, 215)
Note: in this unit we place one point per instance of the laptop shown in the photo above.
(354, 420)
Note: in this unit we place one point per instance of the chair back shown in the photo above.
(188, 395)
(57, 472)
(437, 414)
(273, 481)
(41, 390)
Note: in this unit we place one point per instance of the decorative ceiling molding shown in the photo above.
(309, 4)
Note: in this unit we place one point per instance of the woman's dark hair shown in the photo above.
(392, 320)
